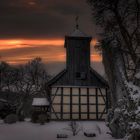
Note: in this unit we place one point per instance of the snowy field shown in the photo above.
(49, 131)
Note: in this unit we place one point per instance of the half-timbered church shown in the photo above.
(78, 92)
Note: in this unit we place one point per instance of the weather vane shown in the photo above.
(76, 19)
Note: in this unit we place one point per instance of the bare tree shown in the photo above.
(27, 80)
(7, 76)
(31, 81)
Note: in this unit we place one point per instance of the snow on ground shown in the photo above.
(30, 131)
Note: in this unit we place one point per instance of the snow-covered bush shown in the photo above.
(116, 122)
(124, 119)
(74, 127)
(12, 118)
(137, 78)
(133, 112)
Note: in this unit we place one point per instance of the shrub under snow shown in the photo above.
(12, 118)
(124, 119)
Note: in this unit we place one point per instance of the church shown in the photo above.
(78, 92)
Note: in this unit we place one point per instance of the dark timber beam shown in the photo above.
(102, 114)
(51, 103)
(106, 100)
(71, 103)
(54, 94)
(88, 103)
(61, 103)
(50, 106)
(102, 94)
(96, 103)
(79, 103)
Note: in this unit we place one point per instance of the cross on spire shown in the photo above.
(76, 20)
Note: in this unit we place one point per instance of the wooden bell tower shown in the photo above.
(78, 54)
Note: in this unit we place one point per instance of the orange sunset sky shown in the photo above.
(19, 51)
(36, 28)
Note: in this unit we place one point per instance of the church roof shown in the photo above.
(62, 79)
(78, 33)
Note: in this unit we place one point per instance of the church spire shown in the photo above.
(77, 32)
(76, 20)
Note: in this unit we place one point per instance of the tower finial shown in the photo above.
(76, 19)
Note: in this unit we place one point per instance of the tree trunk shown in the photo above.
(113, 62)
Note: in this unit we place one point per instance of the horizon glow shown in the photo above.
(19, 51)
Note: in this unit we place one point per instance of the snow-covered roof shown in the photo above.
(77, 33)
(40, 102)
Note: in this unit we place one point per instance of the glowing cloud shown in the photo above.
(19, 51)
(12, 44)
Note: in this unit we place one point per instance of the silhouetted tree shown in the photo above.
(120, 19)
(7, 76)
(31, 81)
(27, 80)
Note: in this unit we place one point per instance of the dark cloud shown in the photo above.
(43, 18)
